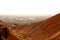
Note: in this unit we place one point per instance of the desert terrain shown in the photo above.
(47, 29)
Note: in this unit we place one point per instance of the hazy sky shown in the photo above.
(29, 7)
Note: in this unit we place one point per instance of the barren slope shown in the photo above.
(48, 29)
(11, 35)
(44, 30)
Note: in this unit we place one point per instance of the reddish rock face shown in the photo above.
(48, 29)
(44, 30)
(10, 36)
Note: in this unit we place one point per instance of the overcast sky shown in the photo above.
(29, 7)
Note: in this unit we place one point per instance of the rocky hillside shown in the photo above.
(11, 36)
(48, 29)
